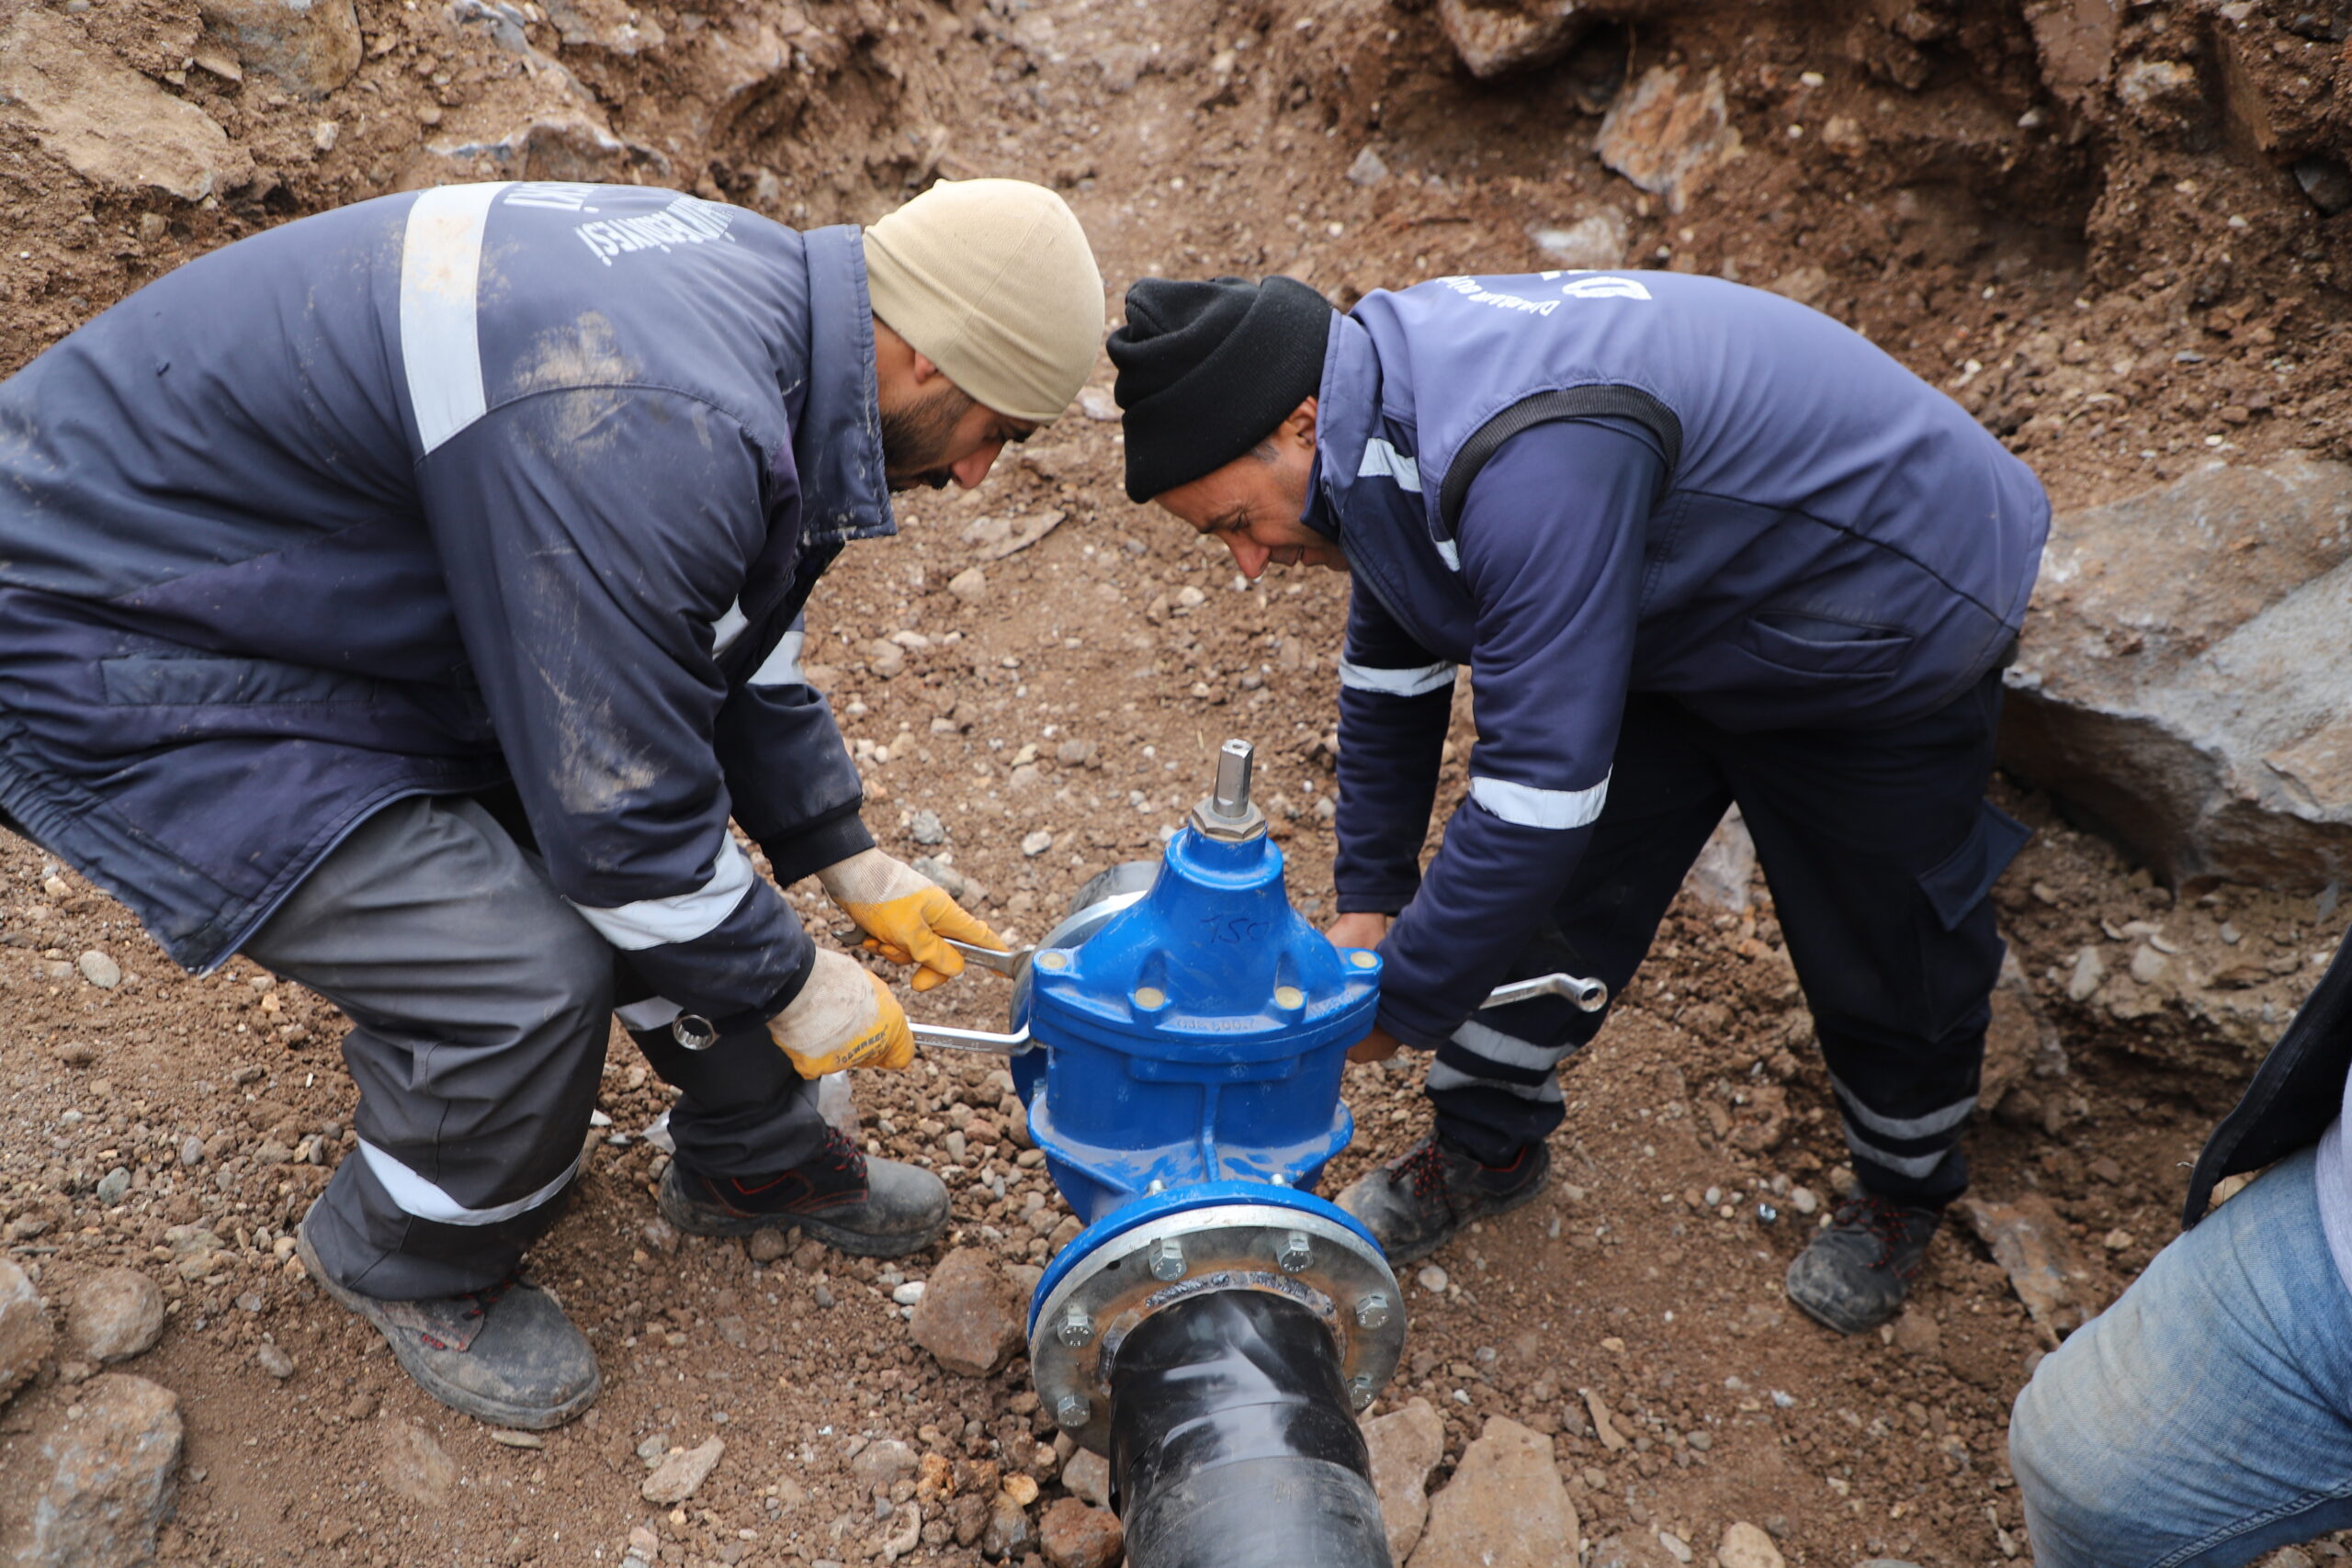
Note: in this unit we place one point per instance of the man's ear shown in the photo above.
(925, 371)
(1299, 425)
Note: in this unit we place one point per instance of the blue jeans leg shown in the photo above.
(2206, 1418)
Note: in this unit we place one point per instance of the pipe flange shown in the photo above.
(1291, 1252)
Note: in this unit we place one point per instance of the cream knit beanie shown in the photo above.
(992, 280)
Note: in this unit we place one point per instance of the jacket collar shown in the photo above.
(837, 445)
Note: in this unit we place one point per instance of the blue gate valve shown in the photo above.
(1179, 1043)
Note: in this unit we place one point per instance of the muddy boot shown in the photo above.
(1416, 1202)
(871, 1208)
(505, 1354)
(1853, 1275)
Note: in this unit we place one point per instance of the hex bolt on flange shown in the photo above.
(1076, 1331)
(1296, 1254)
(1372, 1312)
(1074, 1410)
(1360, 1393)
(1168, 1260)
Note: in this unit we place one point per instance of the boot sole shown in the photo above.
(699, 1219)
(1496, 1206)
(464, 1402)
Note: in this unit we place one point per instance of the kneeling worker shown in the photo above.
(1699, 545)
(408, 597)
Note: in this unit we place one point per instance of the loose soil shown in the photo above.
(2120, 287)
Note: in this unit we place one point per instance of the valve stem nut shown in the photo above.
(1168, 1260)
(1295, 1253)
(1076, 1331)
(1372, 1312)
(1073, 1410)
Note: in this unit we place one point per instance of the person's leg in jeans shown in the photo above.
(1494, 1086)
(2206, 1418)
(480, 1005)
(1880, 851)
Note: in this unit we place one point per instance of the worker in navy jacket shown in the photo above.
(1700, 546)
(409, 597)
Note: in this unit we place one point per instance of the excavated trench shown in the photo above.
(2108, 233)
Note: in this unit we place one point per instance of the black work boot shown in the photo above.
(876, 1208)
(505, 1354)
(1416, 1202)
(1854, 1274)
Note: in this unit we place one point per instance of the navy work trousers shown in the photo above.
(1880, 849)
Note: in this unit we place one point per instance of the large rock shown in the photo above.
(2186, 679)
(1405, 1446)
(117, 1313)
(2030, 1241)
(1075, 1536)
(413, 1466)
(1495, 38)
(678, 1475)
(969, 1317)
(1668, 135)
(309, 46)
(1504, 1508)
(25, 1334)
(112, 1469)
(114, 127)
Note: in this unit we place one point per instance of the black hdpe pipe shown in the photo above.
(1233, 1444)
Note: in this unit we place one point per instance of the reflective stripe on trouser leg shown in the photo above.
(1496, 1092)
(741, 1109)
(481, 1004)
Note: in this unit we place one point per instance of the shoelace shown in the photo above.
(489, 1296)
(1425, 1167)
(1887, 1222)
(842, 1150)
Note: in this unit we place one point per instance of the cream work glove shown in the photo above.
(844, 1017)
(905, 915)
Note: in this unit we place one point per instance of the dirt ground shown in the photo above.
(2122, 287)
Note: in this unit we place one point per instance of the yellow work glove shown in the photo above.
(905, 915)
(843, 1018)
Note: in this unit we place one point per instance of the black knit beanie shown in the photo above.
(1207, 370)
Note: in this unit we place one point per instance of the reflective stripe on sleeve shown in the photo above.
(727, 628)
(414, 1195)
(440, 346)
(1527, 806)
(782, 667)
(651, 922)
(654, 1013)
(1396, 683)
(1382, 460)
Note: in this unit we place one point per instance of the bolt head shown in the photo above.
(1167, 1260)
(1295, 1252)
(1076, 1331)
(1373, 1311)
(1072, 1411)
(1360, 1393)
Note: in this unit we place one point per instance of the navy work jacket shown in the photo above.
(520, 481)
(1582, 485)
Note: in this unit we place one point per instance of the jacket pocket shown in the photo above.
(1820, 648)
(1958, 883)
(140, 681)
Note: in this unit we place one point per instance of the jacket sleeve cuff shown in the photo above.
(1410, 1030)
(813, 846)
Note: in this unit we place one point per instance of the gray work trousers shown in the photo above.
(481, 1004)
